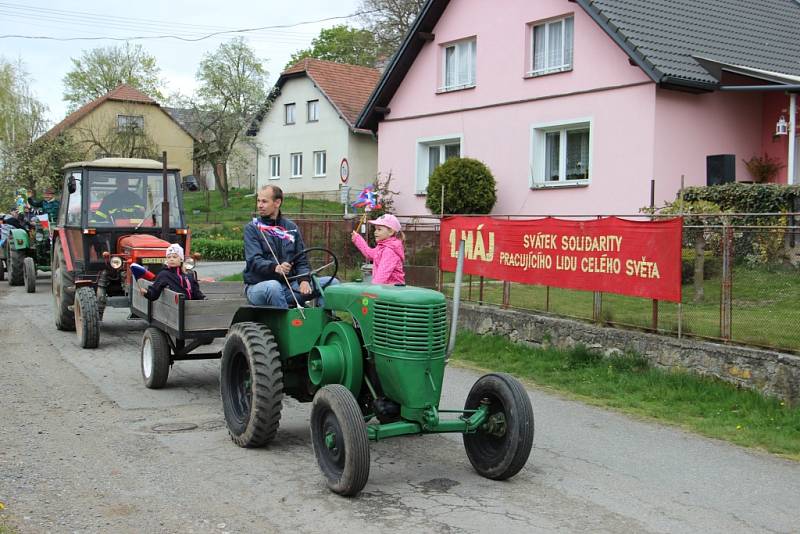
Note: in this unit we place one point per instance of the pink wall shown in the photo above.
(689, 127)
(775, 105)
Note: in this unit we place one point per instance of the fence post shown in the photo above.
(726, 297)
(506, 294)
(597, 306)
(480, 291)
(547, 298)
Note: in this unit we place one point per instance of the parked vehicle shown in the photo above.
(384, 364)
(111, 216)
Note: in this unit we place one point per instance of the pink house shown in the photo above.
(576, 106)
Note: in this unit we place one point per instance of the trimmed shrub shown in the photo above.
(469, 187)
(219, 249)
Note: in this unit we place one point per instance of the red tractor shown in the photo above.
(113, 213)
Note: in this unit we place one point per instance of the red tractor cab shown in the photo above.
(111, 215)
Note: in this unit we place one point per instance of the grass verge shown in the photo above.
(627, 383)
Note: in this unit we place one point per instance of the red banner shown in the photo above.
(612, 255)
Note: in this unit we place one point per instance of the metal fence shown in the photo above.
(744, 288)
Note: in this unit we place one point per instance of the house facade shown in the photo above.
(575, 106)
(308, 135)
(127, 123)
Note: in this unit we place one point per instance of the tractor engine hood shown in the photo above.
(141, 246)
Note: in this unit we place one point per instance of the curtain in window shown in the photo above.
(551, 153)
(568, 39)
(434, 158)
(452, 151)
(555, 49)
(578, 154)
(539, 48)
(450, 66)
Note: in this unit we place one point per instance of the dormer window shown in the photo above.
(458, 65)
(551, 46)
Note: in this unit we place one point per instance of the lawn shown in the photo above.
(765, 310)
(704, 405)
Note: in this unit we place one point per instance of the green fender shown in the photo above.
(337, 359)
(18, 239)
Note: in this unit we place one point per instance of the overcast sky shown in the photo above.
(47, 61)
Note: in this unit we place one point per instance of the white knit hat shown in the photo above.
(175, 249)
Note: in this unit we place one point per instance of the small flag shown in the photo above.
(139, 271)
(368, 199)
(275, 231)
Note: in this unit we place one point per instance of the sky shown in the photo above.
(48, 61)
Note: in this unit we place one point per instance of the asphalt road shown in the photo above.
(85, 447)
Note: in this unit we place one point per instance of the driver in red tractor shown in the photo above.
(121, 203)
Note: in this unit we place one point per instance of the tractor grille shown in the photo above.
(411, 328)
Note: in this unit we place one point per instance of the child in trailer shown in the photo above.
(388, 255)
(174, 277)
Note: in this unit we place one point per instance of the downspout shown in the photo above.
(792, 138)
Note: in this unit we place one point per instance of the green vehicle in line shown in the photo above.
(24, 252)
(371, 362)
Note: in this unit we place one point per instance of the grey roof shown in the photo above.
(664, 36)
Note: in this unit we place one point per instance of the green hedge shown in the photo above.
(219, 249)
(746, 198)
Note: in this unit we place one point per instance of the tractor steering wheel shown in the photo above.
(314, 272)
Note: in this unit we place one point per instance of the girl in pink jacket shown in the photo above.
(388, 255)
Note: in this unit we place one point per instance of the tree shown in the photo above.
(100, 70)
(389, 21)
(468, 185)
(40, 163)
(232, 89)
(342, 45)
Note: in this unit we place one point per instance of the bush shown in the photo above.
(469, 187)
(713, 265)
(219, 249)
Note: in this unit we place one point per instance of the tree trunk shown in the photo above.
(221, 178)
(699, 266)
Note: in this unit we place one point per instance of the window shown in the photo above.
(130, 123)
(320, 163)
(288, 113)
(297, 165)
(561, 154)
(275, 166)
(551, 47)
(313, 110)
(73, 211)
(431, 153)
(459, 65)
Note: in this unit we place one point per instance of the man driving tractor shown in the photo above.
(122, 203)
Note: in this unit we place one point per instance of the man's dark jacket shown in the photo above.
(260, 264)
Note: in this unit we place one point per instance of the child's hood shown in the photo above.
(395, 245)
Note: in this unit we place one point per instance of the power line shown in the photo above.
(180, 38)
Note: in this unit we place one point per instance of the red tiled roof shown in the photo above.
(122, 93)
(347, 87)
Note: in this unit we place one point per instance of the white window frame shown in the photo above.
(566, 63)
(538, 147)
(312, 104)
(463, 50)
(423, 143)
(320, 170)
(274, 166)
(287, 113)
(297, 164)
(130, 123)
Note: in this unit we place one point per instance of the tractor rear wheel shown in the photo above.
(251, 384)
(29, 275)
(87, 320)
(2, 269)
(339, 437)
(501, 446)
(63, 290)
(15, 268)
(155, 358)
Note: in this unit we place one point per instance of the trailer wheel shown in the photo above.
(251, 384)
(500, 448)
(2, 269)
(339, 437)
(29, 274)
(15, 267)
(63, 290)
(155, 358)
(87, 321)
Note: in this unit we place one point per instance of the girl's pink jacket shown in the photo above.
(387, 259)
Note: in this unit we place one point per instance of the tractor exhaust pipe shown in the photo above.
(165, 203)
(456, 299)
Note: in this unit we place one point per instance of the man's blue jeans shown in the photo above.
(278, 294)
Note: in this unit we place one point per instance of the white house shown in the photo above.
(307, 139)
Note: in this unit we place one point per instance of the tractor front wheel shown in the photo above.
(63, 290)
(155, 358)
(16, 263)
(501, 446)
(251, 384)
(29, 275)
(339, 437)
(87, 320)
(2, 269)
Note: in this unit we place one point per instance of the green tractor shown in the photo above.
(24, 252)
(377, 377)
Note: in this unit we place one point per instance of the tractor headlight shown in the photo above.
(39, 237)
(189, 264)
(115, 262)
